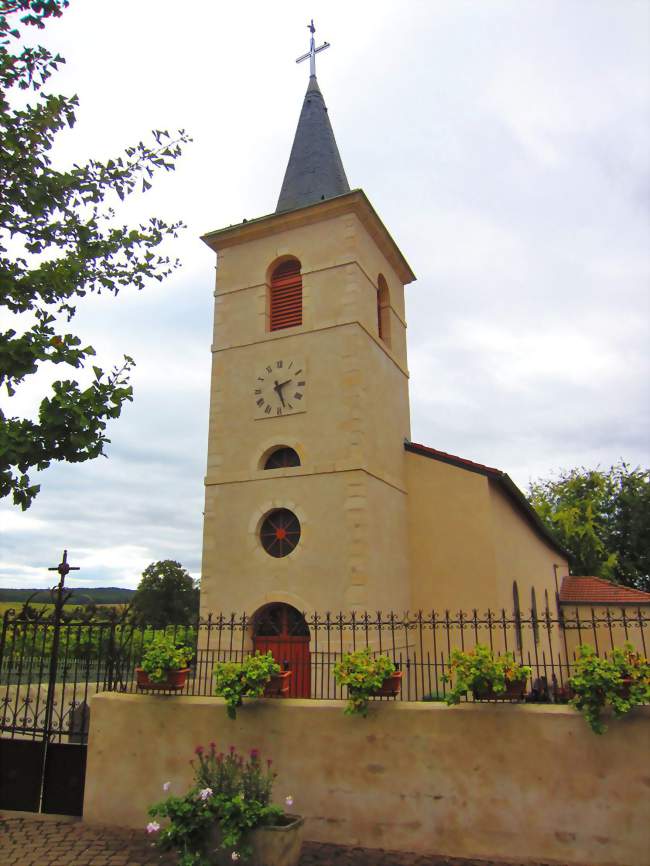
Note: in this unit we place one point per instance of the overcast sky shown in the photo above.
(505, 146)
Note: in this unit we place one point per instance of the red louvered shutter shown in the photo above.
(286, 296)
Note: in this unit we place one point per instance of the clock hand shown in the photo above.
(282, 384)
(278, 390)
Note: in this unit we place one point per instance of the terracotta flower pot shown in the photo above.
(514, 692)
(278, 685)
(272, 846)
(390, 687)
(175, 680)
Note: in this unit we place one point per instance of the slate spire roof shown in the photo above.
(315, 171)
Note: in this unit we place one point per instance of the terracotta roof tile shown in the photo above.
(595, 590)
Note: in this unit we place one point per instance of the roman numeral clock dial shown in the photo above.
(279, 388)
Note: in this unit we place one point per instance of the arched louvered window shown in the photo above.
(281, 458)
(383, 310)
(285, 297)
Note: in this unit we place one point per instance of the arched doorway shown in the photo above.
(282, 630)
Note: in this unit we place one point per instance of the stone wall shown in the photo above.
(488, 781)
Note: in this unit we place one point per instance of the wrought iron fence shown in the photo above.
(101, 652)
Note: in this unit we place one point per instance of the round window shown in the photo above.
(280, 532)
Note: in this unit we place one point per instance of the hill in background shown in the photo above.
(81, 595)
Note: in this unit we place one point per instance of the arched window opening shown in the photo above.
(533, 612)
(285, 296)
(517, 613)
(383, 310)
(282, 458)
(280, 532)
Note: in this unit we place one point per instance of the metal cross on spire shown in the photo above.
(313, 51)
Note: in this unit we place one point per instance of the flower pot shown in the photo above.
(175, 680)
(514, 692)
(390, 687)
(279, 845)
(278, 685)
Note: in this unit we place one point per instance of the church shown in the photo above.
(316, 498)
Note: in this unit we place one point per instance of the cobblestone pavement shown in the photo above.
(36, 840)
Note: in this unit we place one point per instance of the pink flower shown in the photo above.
(255, 753)
(205, 793)
(288, 800)
(167, 786)
(153, 827)
(199, 750)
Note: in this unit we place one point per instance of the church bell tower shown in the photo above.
(305, 500)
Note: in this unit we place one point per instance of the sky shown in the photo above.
(505, 145)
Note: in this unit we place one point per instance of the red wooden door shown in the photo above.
(282, 630)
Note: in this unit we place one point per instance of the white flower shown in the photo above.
(288, 800)
(234, 856)
(205, 793)
(167, 786)
(153, 827)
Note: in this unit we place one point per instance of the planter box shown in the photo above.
(278, 685)
(175, 680)
(390, 687)
(272, 846)
(514, 692)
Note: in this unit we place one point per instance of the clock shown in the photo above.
(279, 388)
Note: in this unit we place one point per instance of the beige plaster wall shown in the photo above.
(524, 782)
(522, 555)
(604, 628)
(469, 542)
(451, 543)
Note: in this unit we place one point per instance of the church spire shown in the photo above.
(315, 171)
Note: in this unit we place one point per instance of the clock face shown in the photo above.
(280, 388)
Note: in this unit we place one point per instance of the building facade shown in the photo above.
(316, 499)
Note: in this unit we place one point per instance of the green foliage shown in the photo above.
(230, 792)
(81, 596)
(234, 681)
(164, 654)
(602, 519)
(59, 241)
(166, 595)
(621, 681)
(480, 670)
(363, 673)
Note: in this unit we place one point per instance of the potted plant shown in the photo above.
(621, 681)
(486, 675)
(366, 675)
(257, 676)
(164, 664)
(227, 815)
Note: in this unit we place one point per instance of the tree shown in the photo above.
(166, 595)
(602, 519)
(59, 241)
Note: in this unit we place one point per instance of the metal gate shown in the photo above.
(51, 663)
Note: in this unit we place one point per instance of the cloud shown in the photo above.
(504, 146)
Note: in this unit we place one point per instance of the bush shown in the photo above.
(234, 681)
(621, 681)
(479, 670)
(363, 674)
(162, 655)
(229, 791)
